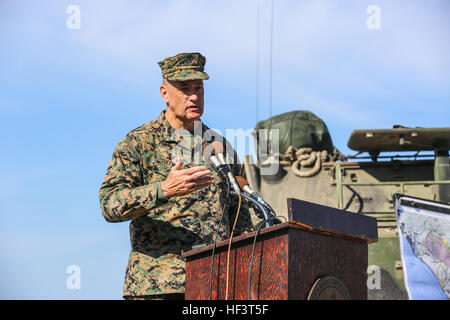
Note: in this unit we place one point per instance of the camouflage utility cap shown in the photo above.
(184, 66)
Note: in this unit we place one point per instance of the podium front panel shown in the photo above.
(269, 279)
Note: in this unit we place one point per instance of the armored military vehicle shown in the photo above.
(409, 161)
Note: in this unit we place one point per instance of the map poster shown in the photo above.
(424, 233)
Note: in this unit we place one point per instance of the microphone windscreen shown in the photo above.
(209, 149)
(218, 147)
(241, 182)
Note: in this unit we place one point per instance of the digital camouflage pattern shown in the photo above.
(161, 228)
(184, 66)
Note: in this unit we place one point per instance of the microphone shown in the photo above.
(243, 184)
(214, 153)
(270, 221)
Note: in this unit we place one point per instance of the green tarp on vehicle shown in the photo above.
(298, 129)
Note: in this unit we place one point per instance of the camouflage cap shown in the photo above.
(184, 66)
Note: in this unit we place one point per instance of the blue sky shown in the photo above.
(68, 96)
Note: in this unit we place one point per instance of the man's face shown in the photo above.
(184, 99)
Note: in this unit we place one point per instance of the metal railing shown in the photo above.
(340, 184)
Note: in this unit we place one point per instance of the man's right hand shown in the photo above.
(181, 182)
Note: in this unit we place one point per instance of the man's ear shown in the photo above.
(164, 93)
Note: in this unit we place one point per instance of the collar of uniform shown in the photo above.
(167, 133)
(170, 134)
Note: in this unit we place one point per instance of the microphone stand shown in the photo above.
(266, 214)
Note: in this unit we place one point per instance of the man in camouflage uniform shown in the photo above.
(172, 204)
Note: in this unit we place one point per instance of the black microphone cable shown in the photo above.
(262, 223)
(215, 239)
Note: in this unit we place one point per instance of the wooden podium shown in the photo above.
(321, 253)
